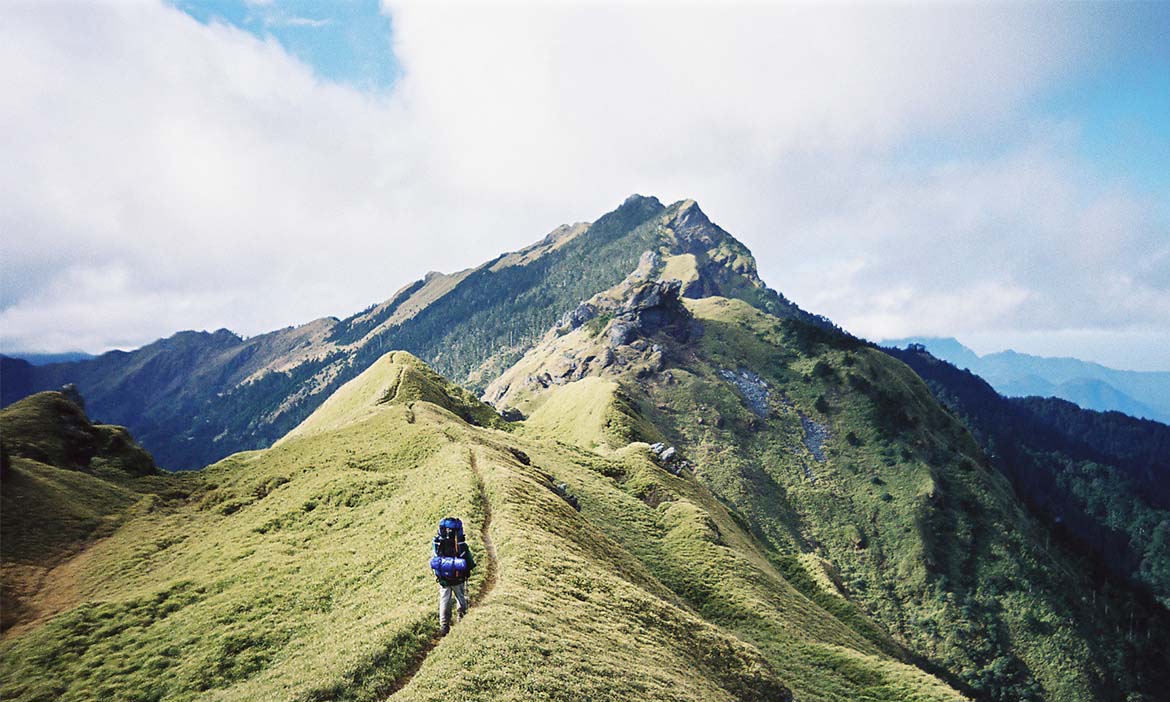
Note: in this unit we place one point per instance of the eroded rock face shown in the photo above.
(621, 333)
(814, 435)
(644, 319)
(651, 308)
(581, 314)
(655, 295)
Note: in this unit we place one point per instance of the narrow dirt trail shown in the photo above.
(485, 588)
(489, 546)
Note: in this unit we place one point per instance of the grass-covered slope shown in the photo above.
(63, 482)
(861, 488)
(52, 428)
(400, 378)
(299, 573)
(1100, 479)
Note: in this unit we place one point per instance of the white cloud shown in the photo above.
(1015, 243)
(163, 174)
(287, 21)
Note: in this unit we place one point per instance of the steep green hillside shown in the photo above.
(196, 397)
(299, 573)
(1101, 480)
(830, 452)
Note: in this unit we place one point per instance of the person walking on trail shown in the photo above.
(452, 563)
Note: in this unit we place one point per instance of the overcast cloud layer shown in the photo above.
(886, 167)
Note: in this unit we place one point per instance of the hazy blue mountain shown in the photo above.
(1144, 394)
(44, 359)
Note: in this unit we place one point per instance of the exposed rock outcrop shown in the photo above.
(652, 308)
(814, 435)
(581, 314)
(752, 388)
(668, 457)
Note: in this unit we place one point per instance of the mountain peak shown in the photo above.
(693, 233)
(202, 384)
(686, 215)
(637, 199)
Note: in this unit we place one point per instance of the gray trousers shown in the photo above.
(445, 604)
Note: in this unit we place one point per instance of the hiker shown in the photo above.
(452, 563)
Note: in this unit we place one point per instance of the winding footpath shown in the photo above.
(485, 589)
(489, 547)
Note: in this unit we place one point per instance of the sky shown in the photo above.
(995, 172)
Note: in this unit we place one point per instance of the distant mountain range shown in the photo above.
(44, 359)
(1143, 394)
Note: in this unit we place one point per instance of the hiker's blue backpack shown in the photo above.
(449, 543)
(451, 569)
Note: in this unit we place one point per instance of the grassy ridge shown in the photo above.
(299, 573)
(259, 581)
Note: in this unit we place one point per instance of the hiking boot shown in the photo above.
(444, 629)
(462, 614)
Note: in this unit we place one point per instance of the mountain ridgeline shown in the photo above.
(196, 397)
(1142, 394)
(680, 486)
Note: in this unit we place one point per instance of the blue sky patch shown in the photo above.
(1121, 101)
(347, 41)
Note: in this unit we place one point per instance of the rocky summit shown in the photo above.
(677, 485)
